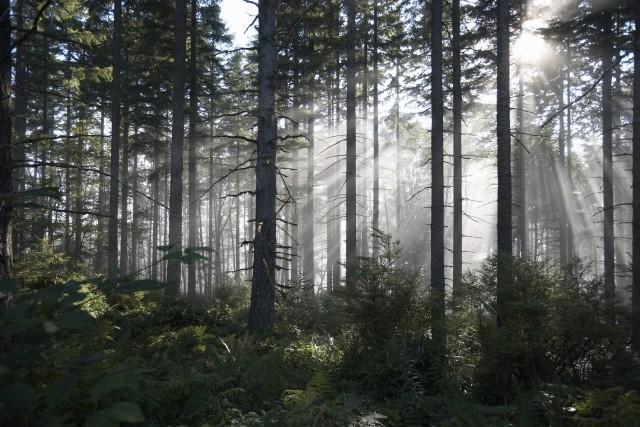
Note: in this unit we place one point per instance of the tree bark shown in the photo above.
(177, 156)
(504, 161)
(635, 298)
(193, 141)
(308, 231)
(135, 213)
(262, 309)
(521, 168)
(607, 166)
(351, 142)
(124, 202)
(457, 152)
(437, 186)
(6, 155)
(114, 168)
(376, 142)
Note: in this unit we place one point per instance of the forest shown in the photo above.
(319, 213)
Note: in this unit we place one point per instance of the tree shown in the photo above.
(351, 140)
(635, 303)
(376, 134)
(261, 310)
(457, 150)
(177, 141)
(6, 155)
(437, 184)
(504, 158)
(607, 161)
(193, 141)
(112, 234)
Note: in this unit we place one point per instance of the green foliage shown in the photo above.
(108, 353)
(44, 265)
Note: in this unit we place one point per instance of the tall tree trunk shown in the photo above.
(114, 168)
(308, 231)
(78, 190)
(68, 158)
(331, 238)
(437, 185)
(261, 311)
(100, 235)
(295, 245)
(155, 214)
(570, 241)
(521, 168)
(193, 172)
(457, 152)
(562, 214)
(504, 161)
(351, 142)
(6, 155)
(364, 211)
(607, 165)
(635, 298)
(210, 222)
(20, 115)
(124, 202)
(135, 212)
(177, 142)
(376, 142)
(337, 266)
(237, 214)
(398, 152)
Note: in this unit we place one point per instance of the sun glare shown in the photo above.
(530, 48)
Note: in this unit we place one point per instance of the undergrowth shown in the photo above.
(100, 353)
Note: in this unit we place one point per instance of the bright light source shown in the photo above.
(530, 48)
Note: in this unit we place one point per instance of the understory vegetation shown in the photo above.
(98, 353)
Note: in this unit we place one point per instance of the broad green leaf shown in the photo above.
(126, 412)
(143, 285)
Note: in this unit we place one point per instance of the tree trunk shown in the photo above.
(124, 202)
(177, 142)
(457, 153)
(155, 214)
(20, 115)
(437, 186)
(337, 232)
(351, 142)
(6, 155)
(364, 211)
(398, 151)
(607, 166)
(135, 212)
(635, 304)
(521, 167)
(308, 231)
(504, 160)
(114, 168)
(193, 172)
(261, 311)
(376, 143)
(100, 235)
